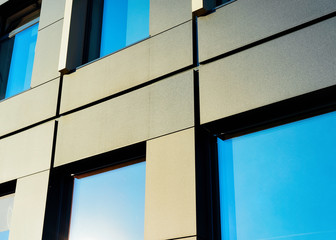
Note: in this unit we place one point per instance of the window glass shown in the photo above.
(124, 23)
(18, 34)
(280, 183)
(101, 27)
(109, 205)
(4, 235)
(6, 47)
(22, 61)
(6, 206)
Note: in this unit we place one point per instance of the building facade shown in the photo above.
(164, 86)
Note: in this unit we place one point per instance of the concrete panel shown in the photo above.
(171, 50)
(196, 5)
(125, 120)
(47, 54)
(167, 14)
(106, 126)
(29, 207)
(147, 60)
(292, 65)
(245, 21)
(109, 75)
(3, 1)
(28, 107)
(26, 153)
(172, 104)
(51, 12)
(64, 49)
(170, 208)
(201, 7)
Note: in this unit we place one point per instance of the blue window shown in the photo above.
(21, 66)
(17, 57)
(124, 23)
(114, 24)
(6, 206)
(109, 204)
(280, 183)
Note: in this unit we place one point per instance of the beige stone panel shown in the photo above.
(171, 50)
(149, 59)
(29, 206)
(289, 66)
(51, 12)
(157, 109)
(110, 125)
(201, 7)
(172, 104)
(246, 21)
(196, 5)
(63, 56)
(167, 14)
(109, 75)
(29, 107)
(47, 54)
(26, 153)
(170, 206)
(3, 1)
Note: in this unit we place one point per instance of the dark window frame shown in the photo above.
(85, 34)
(83, 45)
(220, 3)
(14, 11)
(7, 188)
(207, 176)
(93, 29)
(6, 50)
(15, 16)
(61, 181)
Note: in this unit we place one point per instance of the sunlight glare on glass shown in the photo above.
(109, 205)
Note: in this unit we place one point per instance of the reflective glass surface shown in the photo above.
(6, 208)
(6, 47)
(109, 205)
(4, 235)
(280, 183)
(124, 23)
(21, 66)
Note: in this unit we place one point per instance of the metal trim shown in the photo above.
(23, 27)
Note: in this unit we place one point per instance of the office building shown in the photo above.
(167, 119)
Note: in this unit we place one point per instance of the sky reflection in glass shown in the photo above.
(6, 208)
(4, 235)
(21, 67)
(280, 183)
(124, 23)
(110, 205)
